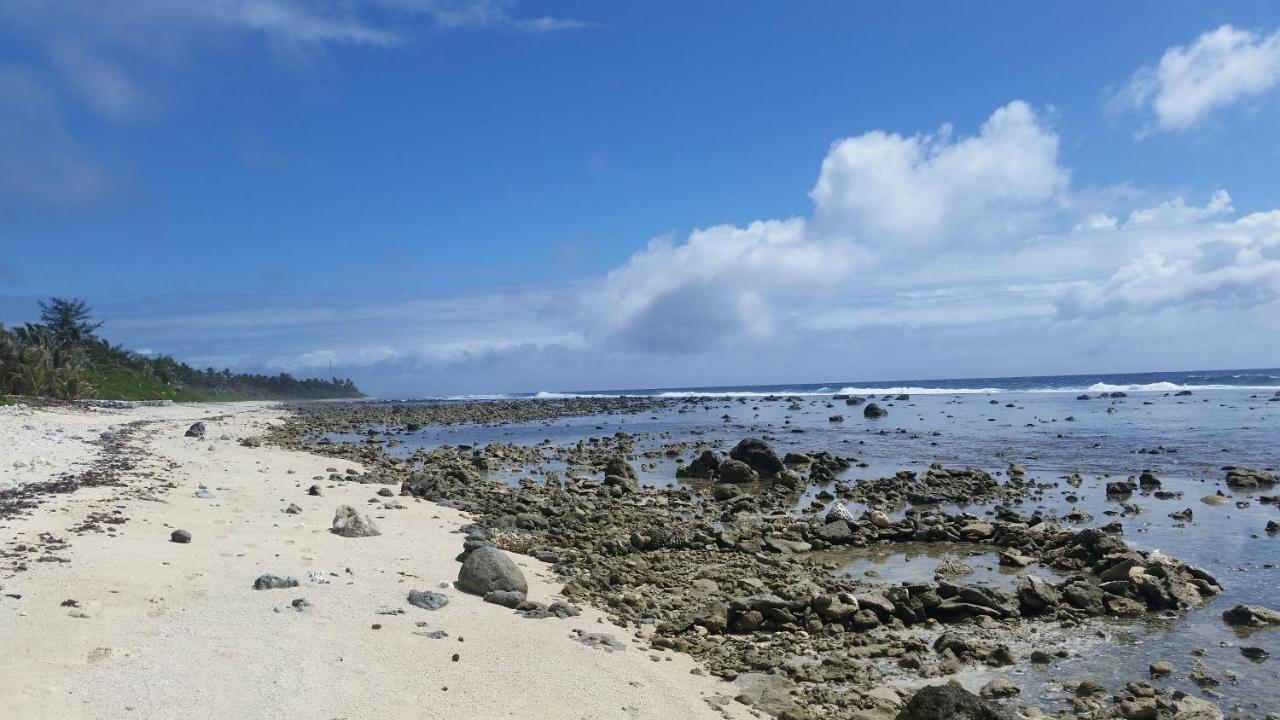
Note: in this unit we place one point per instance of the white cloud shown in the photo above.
(1221, 67)
(1235, 266)
(886, 190)
(1097, 222)
(481, 14)
(1177, 212)
(880, 197)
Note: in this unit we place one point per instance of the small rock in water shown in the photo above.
(1254, 652)
(427, 599)
(999, 688)
(273, 582)
(349, 523)
(1161, 667)
(1251, 616)
(873, 410)
(180, 536)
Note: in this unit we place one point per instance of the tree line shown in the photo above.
(61, 356)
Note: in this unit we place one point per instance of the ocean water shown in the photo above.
(1255, 379)
(1229, 418)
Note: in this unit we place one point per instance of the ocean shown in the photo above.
(1248, 379)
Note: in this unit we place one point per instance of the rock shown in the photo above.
(1254, 652)
(839, 512)
(488, 569)
(1184, 515)
(1246, 479)
(1015, 559)
(1273, 527)
(196, 430)
(293, 509)
(949, 702)
(505, 598)
(1037, 596)
(769, 693)
(999, 688)
(736, 471)
(427, 599)
(253, 441)
(785, 546)
(873, 411)
(349, 523)
(314, 491)
(273, 582)
(1161, 668)
(879, 519)
(704, 466)
(758, 456)
(1251, 616)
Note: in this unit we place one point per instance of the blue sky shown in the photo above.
(461, 196)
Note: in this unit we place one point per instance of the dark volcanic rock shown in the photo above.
(196, 430)
(948, 702)
(704, 466)
(488, 569)
(758, 456)
(873, 410)
(180, 536)
(736, 471)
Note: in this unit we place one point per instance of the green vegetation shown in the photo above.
(62, 357)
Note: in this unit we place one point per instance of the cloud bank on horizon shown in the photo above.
(923, 254)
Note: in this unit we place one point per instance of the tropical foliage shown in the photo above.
(62, 357)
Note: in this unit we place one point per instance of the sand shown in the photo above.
(163, 630)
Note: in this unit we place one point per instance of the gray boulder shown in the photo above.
(488, 569)
(196, 430)
(757, 454)
(736, 471)
(873, 411)
(949, 702)
(349, 523)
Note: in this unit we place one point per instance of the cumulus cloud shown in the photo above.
(886, 190)
(1177, 212)
(880, 197)
(1238, 268)
(1221, 67)
(1097, 222)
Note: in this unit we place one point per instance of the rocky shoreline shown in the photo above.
(726, 569)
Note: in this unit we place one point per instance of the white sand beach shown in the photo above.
(117, 621)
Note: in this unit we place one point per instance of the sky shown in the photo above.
(479, 196)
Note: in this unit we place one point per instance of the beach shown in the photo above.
(108, 618)
(744, 554)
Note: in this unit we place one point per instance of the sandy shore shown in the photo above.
(110, 619)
